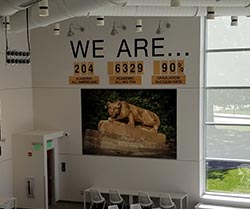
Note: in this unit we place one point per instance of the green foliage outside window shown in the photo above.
(234, 181)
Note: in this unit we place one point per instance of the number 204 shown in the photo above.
(83, 68)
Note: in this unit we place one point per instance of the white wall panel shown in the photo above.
(188, 124)
(16, 106)
(6, 179)
(17, 115)
(58, 105)
(128, 173)
(53, 60)
(60, 108)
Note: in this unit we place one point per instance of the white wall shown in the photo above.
(16, 106)
(57, 105)
(25, 166)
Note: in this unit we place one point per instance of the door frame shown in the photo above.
(51, 176)
(56, 190)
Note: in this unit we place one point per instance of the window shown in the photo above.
(227, 117)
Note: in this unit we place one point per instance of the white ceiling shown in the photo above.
(10, 7)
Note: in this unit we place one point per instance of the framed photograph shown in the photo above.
(129, 122)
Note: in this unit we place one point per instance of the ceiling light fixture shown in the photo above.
(57, 29)
(71, 32)
(43, 8)
(114, 30)
(175, 3)
(100, 21)
(234, 20)
(210, 13)
(139, 25)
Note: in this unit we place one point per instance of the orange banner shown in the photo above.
(120, 80)
(87, 80)
(168, 79)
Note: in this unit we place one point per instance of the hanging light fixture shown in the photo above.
(139, 25)
(210, 13)
(175, 3)
(234, 20)
(6, 23)
(14, 57)
(57, 29)
(43, 8)
(100, 21)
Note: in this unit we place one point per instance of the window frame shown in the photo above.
(240, 200)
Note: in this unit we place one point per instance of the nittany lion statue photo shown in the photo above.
(124, 111)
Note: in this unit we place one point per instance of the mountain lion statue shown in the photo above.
(124, 111)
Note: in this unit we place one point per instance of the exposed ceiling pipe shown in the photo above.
(170, 11)
(147, 11)
(63, 9)
(191, 3)
(10, 7)
(60, 10)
